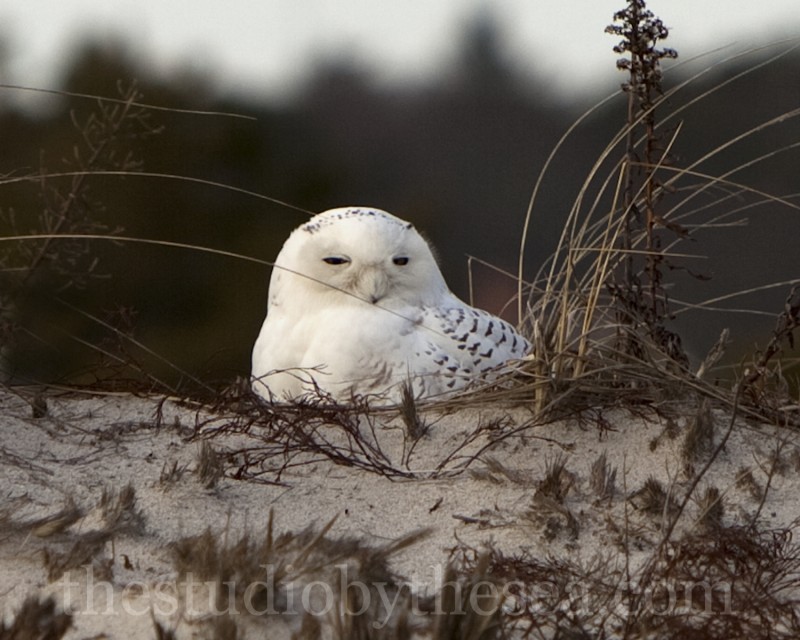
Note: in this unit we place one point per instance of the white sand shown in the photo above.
(84, 445)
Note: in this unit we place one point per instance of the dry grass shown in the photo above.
(280, 567)
(729, 583)
(594, 334)
(209, 467)
(698, 442)
(598, 311)
(75, 537)
(598, 317)
(37, 620)
(603, 478)
(469, 603)
(273, 438)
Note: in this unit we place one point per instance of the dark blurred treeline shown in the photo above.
(458, 156)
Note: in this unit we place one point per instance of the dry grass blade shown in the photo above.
(652, 498)
(698, 441)
(119, 511)
(414, 424)
(123, 336)
(711, 508)
(788, 321)
(141, 105)
(557, 481)
(469, 609)
(209, 468)
(150, 175)
(53, 524)
(714, 355)
(603, 478)
(37, 620)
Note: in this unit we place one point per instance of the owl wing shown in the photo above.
(460, 343)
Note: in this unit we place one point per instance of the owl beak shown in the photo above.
(373, 285)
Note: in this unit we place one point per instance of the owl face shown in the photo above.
(366, 255)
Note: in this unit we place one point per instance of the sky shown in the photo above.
(265, 47)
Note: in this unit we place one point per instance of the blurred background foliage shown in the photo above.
(457, 156)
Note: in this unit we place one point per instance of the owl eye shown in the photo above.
(400, 261)
(335, 260)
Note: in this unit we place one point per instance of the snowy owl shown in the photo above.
(357, 305)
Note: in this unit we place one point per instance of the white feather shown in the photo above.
(357, 305)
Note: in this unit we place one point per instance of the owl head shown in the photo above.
(358, 255)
